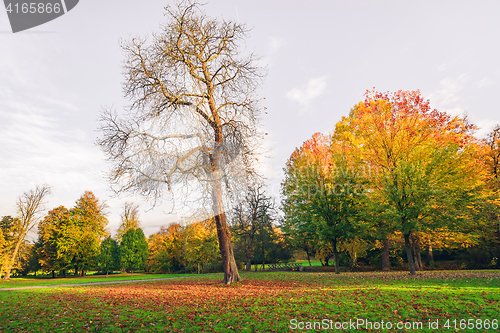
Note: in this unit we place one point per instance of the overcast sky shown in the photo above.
(321, 58)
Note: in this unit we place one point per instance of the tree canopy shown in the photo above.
(133, 250)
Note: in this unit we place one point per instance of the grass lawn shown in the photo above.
(304, 263)
(32, 281)
(265, 302)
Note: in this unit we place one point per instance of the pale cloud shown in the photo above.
(484, 82)
(305, 95)
(36, 149)
(443, 67)
(450, 64)
(447, 96)
(485, 126)
(275, 44)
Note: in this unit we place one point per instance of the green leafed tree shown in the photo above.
(48, 233)
(133, 250)
(108, 258)
(322, 192)
(200, 244)
(79, 237)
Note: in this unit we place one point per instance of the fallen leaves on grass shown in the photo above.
(261, 302)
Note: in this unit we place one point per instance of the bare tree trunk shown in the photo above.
(248, 265)
(10, 262)
(226, 249)
(228, 263)
(354, 260)
(430, 256)
(336, 257)
(250, 254)
(416, 252)
(386, 264)
(409, 254)
(263, 258)
(308, 258)
(419, 256)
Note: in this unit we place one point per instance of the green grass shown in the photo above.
(32, 281)
(314, 263)
(304, 263)
(261, 302)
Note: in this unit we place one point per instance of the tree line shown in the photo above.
(393, 170)
(76, 240)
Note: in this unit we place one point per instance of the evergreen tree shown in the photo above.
(133, 250)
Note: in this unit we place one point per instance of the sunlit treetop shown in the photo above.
(390, 126)
(315, 149)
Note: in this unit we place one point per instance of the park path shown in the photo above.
(102, 282)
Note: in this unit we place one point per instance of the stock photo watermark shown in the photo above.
(364, 324)
(25, 14)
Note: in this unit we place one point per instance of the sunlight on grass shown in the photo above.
(203, 304)
(26, 282)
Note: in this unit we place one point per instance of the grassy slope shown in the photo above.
(262, 302)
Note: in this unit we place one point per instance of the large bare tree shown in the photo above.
(29, 207)
(191, 125)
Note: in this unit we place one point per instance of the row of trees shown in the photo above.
(193, 247)
(69, 239)
(189, 248)
(394, 166)
(191, 131)
(130, 254)
(76, 239)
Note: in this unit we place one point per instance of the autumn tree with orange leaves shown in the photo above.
(428, 171)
